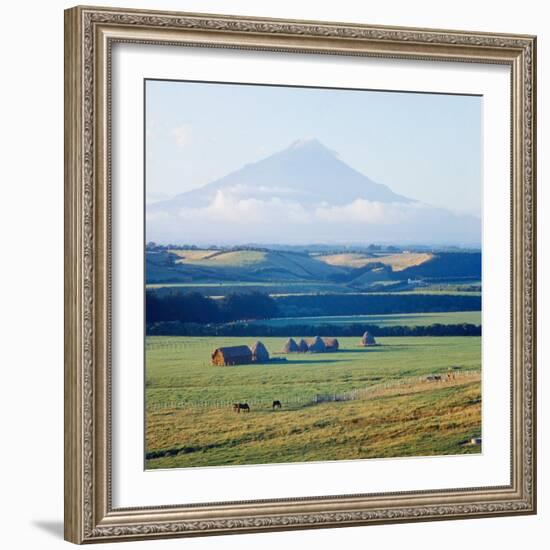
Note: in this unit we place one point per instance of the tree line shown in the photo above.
(194, 307)
(373, 304)
(177, 328)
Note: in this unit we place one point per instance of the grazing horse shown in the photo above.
(450, 376)
(276, 404)
(434, 378)
(238, 407)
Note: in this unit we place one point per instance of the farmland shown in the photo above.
(339, 270)
(304, 288)
(424, 307)
(398, 262)
(391, 411)
(295, 288)
(402, 319)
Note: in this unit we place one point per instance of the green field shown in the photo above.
(287, 271)
(297, 288)
(273, 288)
(398, 262)
(392, 410)
(434, 291)
(397, 319)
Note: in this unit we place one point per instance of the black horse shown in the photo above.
(238, 407)
(276, 404)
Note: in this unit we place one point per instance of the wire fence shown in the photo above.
(293, 401)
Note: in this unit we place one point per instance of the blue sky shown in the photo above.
(424, 146)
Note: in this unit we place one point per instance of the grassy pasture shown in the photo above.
(192, 255)
(237, 258)
(275, 288)
(295, 288)
(398, 262)
(189, 421)
(261, 262)
(240, 258)
(394, 319)
(434, 290)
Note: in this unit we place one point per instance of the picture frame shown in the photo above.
(90, 35)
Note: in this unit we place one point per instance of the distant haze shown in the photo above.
(306, 191)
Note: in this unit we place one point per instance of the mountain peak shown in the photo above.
(310, 144)
(306, 173)
(302, 192)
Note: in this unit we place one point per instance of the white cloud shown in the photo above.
(233, 218)
(182, 135)
(225, 207)
(369, 212)
(228, 206)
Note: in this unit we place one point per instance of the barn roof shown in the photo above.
(233, 351)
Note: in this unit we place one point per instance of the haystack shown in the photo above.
(290, 346)
(368, 339)
(302, 346)
(259, 353)
(316, 345)
(331, 344)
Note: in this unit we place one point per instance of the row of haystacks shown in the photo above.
(240, 355)
(320, 345)
(314, 345)
(257, 353)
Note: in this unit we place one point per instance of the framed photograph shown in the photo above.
(300, 274)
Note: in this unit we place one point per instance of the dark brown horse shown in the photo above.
(238, 407)
(276, 404)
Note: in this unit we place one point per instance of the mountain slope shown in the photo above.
(303, 194)
(307, 172)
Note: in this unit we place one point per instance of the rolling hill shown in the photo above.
(280, 266)
(398, 262)
(237, 265)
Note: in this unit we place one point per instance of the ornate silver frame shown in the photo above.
(89, 35)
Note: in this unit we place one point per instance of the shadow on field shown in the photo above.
(362, 349)
(306, 361)
(290, 358)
